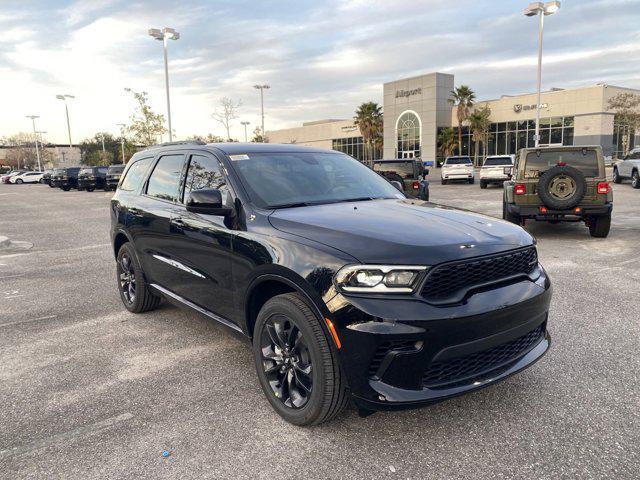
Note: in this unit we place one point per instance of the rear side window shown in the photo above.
(584, 160)
(204, 172)
(164, 181)
(135, 175)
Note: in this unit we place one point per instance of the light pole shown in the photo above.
(66, 109)
(166, 34)
(35, 137)
(40, 134)
(122, 125)
(262, 88)
(541, 9)
(245, 130)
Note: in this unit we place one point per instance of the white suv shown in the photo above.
(27, 177)
(496, 169)
(457, 168)
(629, 167)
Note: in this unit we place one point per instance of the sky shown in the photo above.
(321, 58)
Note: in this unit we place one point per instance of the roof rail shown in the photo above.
(183, 142)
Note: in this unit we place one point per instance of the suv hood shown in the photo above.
(401, 231)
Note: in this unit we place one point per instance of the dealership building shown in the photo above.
(417, 108)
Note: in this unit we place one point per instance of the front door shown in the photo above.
(202, 244)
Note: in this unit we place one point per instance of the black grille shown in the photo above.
(386, 347)
(448, 281)
(441, 374)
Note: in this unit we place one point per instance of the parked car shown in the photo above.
(457, 168)
(56, 177)
(345, 288)
(90, 178)
(26, 177)
(66, 178)
(496, 169)
(5, 178)
(46, 177)
(629, 167)
(560, 184)
(113, 176)
(409, 173)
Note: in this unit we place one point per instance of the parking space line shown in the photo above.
(64, 438)
(8, 324)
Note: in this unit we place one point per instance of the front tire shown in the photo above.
(599, 226)
(19, 181)
(443, 181)
(296, 362)
(510, 217)
(90, 189)
(635, 179)
(616, 176)
(135, 292)
(472, 181)
(483, 184)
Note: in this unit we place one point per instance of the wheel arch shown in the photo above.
(119, 239)
(269, 285)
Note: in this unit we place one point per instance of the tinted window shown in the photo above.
(458, 161)
(404, 169)
(497, 161)
(163, 182)
(204, 172)
(135, 175)
(584, 160)
(284, 178)
(116, 169)
(103, 169)
(86, 170)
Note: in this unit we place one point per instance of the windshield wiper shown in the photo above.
(291, 205)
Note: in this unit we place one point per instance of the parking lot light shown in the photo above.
(262, 88)
(35, 137)
(163, 35)
(66, 109)
(540, 9)
(122, 127)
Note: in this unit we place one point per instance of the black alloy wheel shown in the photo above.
(297, 361)
(635, 179)
(616, 176)
(127, 278)
(286, 361)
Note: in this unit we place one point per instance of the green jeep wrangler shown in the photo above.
(560, 184)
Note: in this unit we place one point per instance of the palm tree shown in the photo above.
(479, 124)
(447, 141)
(369, 119)
(462, 97)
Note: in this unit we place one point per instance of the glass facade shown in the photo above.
(622, 133)
(354, 146)
(408, 135)
(506, 138)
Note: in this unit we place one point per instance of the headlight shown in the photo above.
(378, 278)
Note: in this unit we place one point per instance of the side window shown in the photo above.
(135, 174)
(165, 178)
(204, 172)
(103, 169)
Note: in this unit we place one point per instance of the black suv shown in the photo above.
(345, 288)
(90, 178)
(409, 173)
(113, 176)
(65, 178)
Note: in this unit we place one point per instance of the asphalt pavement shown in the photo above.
(88, 390)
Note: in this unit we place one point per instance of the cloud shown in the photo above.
(321, 59)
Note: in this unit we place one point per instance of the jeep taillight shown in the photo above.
(603, 187)
(416, 185)
(520, 189)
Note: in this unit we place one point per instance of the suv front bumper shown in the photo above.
(408, 353)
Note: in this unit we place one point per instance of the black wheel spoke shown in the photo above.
(302, 382)
(292, 336)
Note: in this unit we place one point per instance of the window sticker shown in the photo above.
(239, 157)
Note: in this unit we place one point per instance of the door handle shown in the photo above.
(136, 212)
(178, 222)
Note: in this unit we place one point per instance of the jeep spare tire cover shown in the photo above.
(562, 187)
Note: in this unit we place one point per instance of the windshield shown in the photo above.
(492, 161)
(294, 179)
(116, 169)
(458, 161)
(584, 160)
(403, 168)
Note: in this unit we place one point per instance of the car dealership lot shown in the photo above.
(90, 390)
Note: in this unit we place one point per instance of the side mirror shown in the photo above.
(207, 201)
(397, 184)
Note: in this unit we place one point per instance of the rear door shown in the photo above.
(152, 215)
(202, 244)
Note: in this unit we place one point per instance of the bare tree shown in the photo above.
(627, 109)
(228, 111)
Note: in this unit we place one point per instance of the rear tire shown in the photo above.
(483, 184)
(135, 293)
(307, 359)
(599, 226)
(472, 181)
(616, 176)
(443, 181)
(66, 189)
(90, 189)
(635, 179)
(510, 217)
(19, 181)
